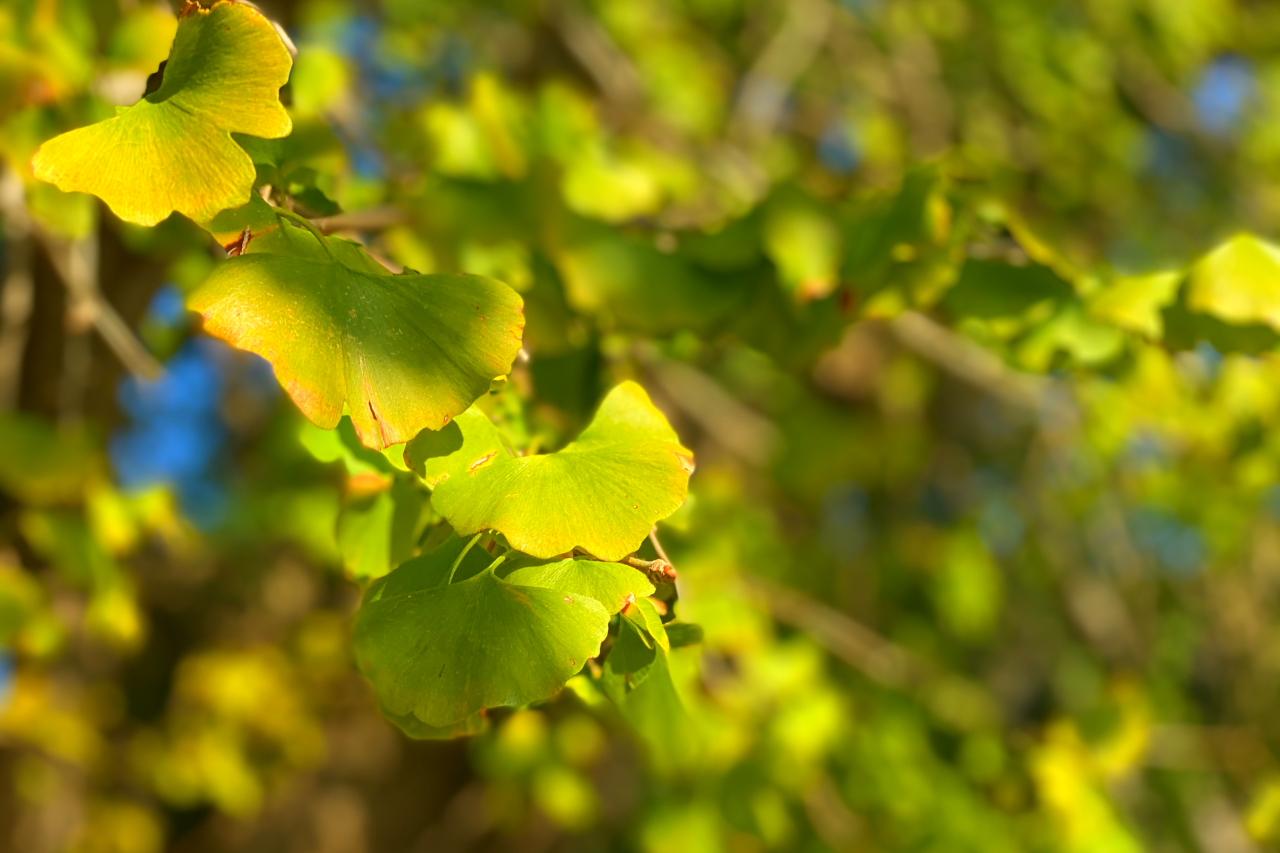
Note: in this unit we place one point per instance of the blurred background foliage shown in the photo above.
(984, 542)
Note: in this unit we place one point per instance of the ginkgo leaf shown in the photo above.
(401, 353)
(445, 652)
(173, 150)
(611, 584)
(1238, 282)
(602, 493)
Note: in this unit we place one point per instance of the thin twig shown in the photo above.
(738, 428)
(591, 44)
(769, 81)
(374, 219)
(967, 361)
(657, 545)
(77, 267)
(80, 260)
(658, 571)
(310, 227)
(18, 294)
(462, 555)
(849, 640)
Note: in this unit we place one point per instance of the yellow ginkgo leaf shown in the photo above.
(173, 150)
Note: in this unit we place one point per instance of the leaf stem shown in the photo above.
(657, 545)
(498, 562)
(457, 561)
(75, 263)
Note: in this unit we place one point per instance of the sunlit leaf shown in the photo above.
(602, 493)
(804, 244)
(1073, 333)
(1238, 282)
(173, 150)
(343, 445)
(398, 353)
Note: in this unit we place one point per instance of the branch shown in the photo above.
(788, 54)
(79, 275)
(967, 361)
(657, 546)
(591, 44)
(850, 641)
(658, 571)
(18, 293)
(374, 219)
(739, 428)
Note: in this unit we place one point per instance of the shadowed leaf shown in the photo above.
(444, 653)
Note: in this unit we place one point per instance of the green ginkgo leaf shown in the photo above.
(401, 353)
(1238, 282)
(611, 584)
(602, 493)
(173, 150)
(442, 653)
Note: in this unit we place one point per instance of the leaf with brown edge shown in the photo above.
(398, 353)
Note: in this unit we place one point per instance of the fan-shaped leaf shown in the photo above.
(402, 353)
(173, 150)
(601, 493)
(443, 653)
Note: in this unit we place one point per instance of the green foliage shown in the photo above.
(981, 553)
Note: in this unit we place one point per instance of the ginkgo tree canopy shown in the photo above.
(601, 493)
(173, 150)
